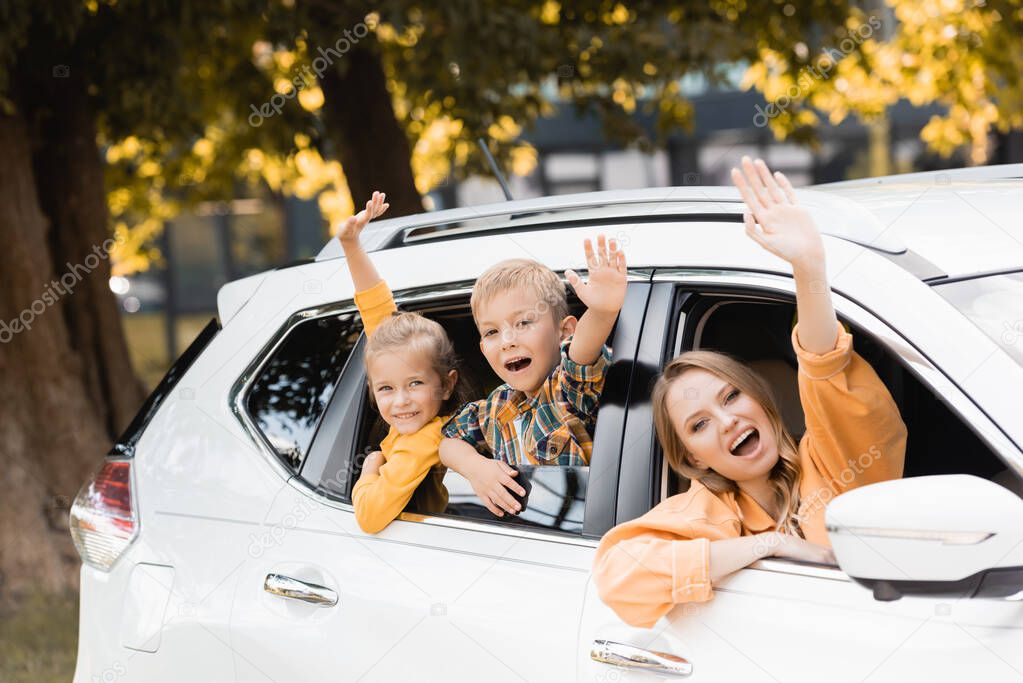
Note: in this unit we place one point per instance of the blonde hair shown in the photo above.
(784, 476)
(414, 333)
(525, 273)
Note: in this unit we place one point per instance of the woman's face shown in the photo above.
(723, 428)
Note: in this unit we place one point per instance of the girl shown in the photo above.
(412, 377)
(754, 491)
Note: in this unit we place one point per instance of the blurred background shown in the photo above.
(154, 150)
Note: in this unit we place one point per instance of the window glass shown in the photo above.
(938, 437)
(995, 305)
(293, 388)
(556, 495)
(555, 499)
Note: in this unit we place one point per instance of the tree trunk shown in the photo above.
(68, 386)
(372, 147)
(51, 435)
(69, 181)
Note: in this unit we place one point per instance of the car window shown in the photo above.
(557, 495)
(292, 388)
(994, 304)
(757, 329)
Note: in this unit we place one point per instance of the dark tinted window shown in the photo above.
(293, 388)
(555, 499)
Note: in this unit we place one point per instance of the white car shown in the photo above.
(219, 543)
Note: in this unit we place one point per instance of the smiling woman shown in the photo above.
(754, 491)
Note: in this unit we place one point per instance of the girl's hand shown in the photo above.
(774, 220)
(351, 228)
(373, 462)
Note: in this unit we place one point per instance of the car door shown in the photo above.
(432, 597)
(785, 621)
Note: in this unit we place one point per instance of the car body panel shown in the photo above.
(219, 512)
(409, 598)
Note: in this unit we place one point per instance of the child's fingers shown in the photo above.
(620, 261)
(588, 252)
(573, 279)
(505, 500)
(510, 484)
(494, 510)
(601, 250)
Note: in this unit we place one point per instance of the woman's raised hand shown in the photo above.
(350, 229)
(774, 219)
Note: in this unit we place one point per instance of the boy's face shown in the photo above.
(520, 338)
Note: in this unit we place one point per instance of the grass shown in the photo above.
(39, 639)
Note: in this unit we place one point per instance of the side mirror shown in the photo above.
(945, 535)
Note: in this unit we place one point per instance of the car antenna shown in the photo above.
(493, 167)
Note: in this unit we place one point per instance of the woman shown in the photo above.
(754, 491)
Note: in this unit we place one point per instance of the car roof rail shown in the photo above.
(938, 177)
(838, 216)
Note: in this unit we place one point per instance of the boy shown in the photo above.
(553, 367)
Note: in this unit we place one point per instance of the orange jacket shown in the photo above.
(854, 436)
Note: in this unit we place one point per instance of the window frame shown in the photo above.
(239, 393)
(338, 431)
(638, 497)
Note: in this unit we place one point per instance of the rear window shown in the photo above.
(124, 447)
(995, 305)
(292, 389)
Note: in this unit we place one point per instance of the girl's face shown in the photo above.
(408, 391)
(723, 428)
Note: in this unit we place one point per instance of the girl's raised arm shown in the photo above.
(364, 274)
(775, 221)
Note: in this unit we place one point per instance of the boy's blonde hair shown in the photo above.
(521, 273)
(412, 332)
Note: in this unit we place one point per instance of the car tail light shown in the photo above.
(103, 520)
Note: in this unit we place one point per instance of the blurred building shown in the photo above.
(225, 241)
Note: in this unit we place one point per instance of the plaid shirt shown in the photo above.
(557, 423)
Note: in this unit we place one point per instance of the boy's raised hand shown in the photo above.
(351, 228)
(774, 220)
(604, 289)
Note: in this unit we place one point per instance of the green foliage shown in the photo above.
(174, 82)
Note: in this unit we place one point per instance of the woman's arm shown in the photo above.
(777, 223)
(678, 551)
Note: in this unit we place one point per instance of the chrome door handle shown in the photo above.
(632, 657)
(287, 587)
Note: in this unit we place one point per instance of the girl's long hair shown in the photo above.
(784, 476)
